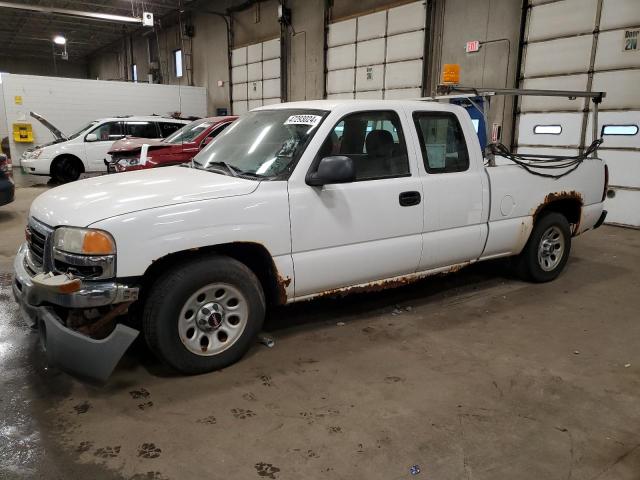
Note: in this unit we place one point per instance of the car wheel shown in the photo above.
(547, 250)
(204, 315)
(66, 169)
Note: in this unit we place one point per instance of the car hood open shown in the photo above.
(58, 135)
(88, 201)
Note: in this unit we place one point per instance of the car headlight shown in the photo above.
(84, 252)
(84, 241)
(32, 155)
(128, 162)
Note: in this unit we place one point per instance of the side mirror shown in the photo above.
(206, 142)
(91, 137)
(338, 169)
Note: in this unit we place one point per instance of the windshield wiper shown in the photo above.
(232, 170)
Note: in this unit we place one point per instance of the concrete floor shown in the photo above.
(471, 376)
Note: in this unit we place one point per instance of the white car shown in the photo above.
(67, 157)
(291, 202)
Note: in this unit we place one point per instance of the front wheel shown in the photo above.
(66, 169)
(204, 315)
(547, 250)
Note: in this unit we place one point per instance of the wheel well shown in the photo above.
(254, 255)
(67, 155)
(570, 207)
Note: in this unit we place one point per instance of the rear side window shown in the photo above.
(167, 128)
(109, 131)
(444, 149)
(141, 129)
(374, 141)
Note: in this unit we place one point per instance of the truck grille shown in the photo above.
(38, 234)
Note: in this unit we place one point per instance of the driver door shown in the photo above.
(96, 151)
(367, 230)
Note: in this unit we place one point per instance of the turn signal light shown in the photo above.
(97, 243)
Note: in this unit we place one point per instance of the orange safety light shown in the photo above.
(451, 74)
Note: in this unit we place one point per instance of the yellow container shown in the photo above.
(22, 133)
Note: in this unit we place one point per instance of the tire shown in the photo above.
(547, 250)
(196, 300)
(66, 169)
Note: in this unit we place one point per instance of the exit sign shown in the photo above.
(472, 46)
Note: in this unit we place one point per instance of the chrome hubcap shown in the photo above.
(213, 319)
(551, 249)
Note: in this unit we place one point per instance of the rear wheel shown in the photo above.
(204, 315)
(547, 251)
(66, 169)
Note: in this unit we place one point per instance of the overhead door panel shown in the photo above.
(570, 17)
(622, 87)
(562, 52)
(619, 13)
(255, 75)
(550, 104)
(558, 57)
(377, 55)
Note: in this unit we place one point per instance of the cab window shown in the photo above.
(141, 129)
(214, 133)
(109, 131)
(444, 149)
(167, 128)
(374, 141)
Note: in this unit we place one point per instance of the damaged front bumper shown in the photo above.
(71, 350)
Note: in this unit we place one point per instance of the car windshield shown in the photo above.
(86, 127)
(263, 143)
(189, 132)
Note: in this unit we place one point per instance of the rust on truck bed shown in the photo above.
(562, 196)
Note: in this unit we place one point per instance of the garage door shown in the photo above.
(562, 52)
(378, 55)
(255, 75)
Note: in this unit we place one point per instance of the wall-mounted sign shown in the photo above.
(18, 99)
(472, 46)
(631, 40)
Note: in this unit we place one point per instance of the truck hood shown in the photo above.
(59, 136)
(134, 144)
(88, 201)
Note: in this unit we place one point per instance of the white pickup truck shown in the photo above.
(292, 202)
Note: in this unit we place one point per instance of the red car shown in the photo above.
(179, 147)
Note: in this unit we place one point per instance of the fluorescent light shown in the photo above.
(59, 40)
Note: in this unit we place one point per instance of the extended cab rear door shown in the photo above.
(454, 184)
(370, 229)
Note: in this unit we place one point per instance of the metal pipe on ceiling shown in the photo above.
(105, 17)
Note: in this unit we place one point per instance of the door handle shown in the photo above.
(408, 199)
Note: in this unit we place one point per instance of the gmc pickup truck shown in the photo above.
(291, 202)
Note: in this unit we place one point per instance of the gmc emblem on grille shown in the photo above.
(27, 234)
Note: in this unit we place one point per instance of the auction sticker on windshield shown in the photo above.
(312, 120)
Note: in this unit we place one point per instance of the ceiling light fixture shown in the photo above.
(59, 40)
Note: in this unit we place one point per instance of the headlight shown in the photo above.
(33, 154)
(128, 162)
(84, 241)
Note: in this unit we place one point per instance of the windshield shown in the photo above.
(189, 132)
(263, 143)
(86, 127)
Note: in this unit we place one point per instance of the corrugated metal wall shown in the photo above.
(582, 45)
(377, 55)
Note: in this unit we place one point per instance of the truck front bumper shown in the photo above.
(67, 348)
